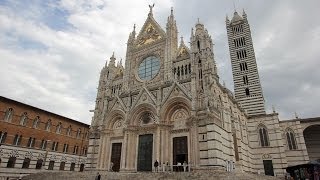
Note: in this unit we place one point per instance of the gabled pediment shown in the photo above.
(144, 96)
(175, 91)
(118, 104)
(150, 32)
(183, 52)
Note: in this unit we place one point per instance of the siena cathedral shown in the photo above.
(167, 105)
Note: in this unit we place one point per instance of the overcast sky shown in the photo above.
(51, 52)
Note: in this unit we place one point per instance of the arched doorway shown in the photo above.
(311, 137)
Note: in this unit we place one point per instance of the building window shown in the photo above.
(39, 164)
(247, 92)
(31, 142)
(79, 133)
(43, 144)
(8, 115)
(149, 68)
(24, 118)
(3, 137)
(72, 166)
(35, 122)
(75, 149)
(58, 130)
(291, 140)
(65, 148)
(26, 163)
(245, 79)
(48, 125)
(84, 151)
(62, 164)
(69, 131)
(55, 146)
(17, 140)
(263, 135)
(11, 162)
(51, 165)
(81, 167)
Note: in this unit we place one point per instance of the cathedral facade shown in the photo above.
(167, 104)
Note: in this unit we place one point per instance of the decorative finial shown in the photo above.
(234, 6)
(224, 84)
(134, 27)
(113, 54)
(181, 38)
(296, 115)
(171, 11)
(151, 6)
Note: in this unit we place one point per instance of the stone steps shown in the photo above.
(203, 175)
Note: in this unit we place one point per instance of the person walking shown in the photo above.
(98, 177)
(184, 166)
(156, 164)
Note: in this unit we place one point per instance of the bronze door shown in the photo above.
(180, 151)
(145, 152)
(268, 167)
(116, 156)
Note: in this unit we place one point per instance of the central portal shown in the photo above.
(145, 152)
(180, 150)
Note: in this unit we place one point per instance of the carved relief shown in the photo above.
(150, 34)
(179, 118)
(118, 124)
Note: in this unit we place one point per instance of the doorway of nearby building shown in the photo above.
(145, 152)
(180, 151)
(116, 156)
(268, 167)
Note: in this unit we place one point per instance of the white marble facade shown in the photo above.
(169, 94)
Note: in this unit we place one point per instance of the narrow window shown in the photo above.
(79, 133)
(186, 69)
(72, 166)
(43, 144)
(291, 140)
(69, 131)
(8, 115)
(62, 164)
(58, 130)
(51, 165)
(23, 120)
(26, 163)
(11, 162)
(3, 137)
(247, 91)
(198, 45)
(48, 125)
(189, 68)
(39, 164)
(35, 122)
(182, 71)
(263, 134)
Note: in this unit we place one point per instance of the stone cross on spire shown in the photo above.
(151, 6)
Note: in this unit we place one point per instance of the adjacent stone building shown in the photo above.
(167, 104)
(34, 140)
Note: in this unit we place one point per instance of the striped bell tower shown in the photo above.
(247, 86)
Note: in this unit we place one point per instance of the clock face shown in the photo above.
(149, 68)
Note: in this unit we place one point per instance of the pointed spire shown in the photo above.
(171, 11)
(227, 19)
(244, 14)
(112, 60)
(296, 115)
(181, 40)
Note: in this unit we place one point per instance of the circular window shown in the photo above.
(149, 68)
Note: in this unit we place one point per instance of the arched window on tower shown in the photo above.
(198, 43)
(247, 92)
(69, 131)
(291, 140)
(263, 135)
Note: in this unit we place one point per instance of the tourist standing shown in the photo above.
(184, 166)
(98, 177)
(156, 164)
(111, 166)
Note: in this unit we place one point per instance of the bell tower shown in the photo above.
(247, 86)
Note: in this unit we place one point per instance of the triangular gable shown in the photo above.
(176, 90)
(183, 52)
(118, 104)
(150, 32)
(144, 96)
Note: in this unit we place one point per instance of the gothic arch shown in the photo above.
(139, 110)
(291, 139)
(114, 117)
(173, 105)
(263, 135)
